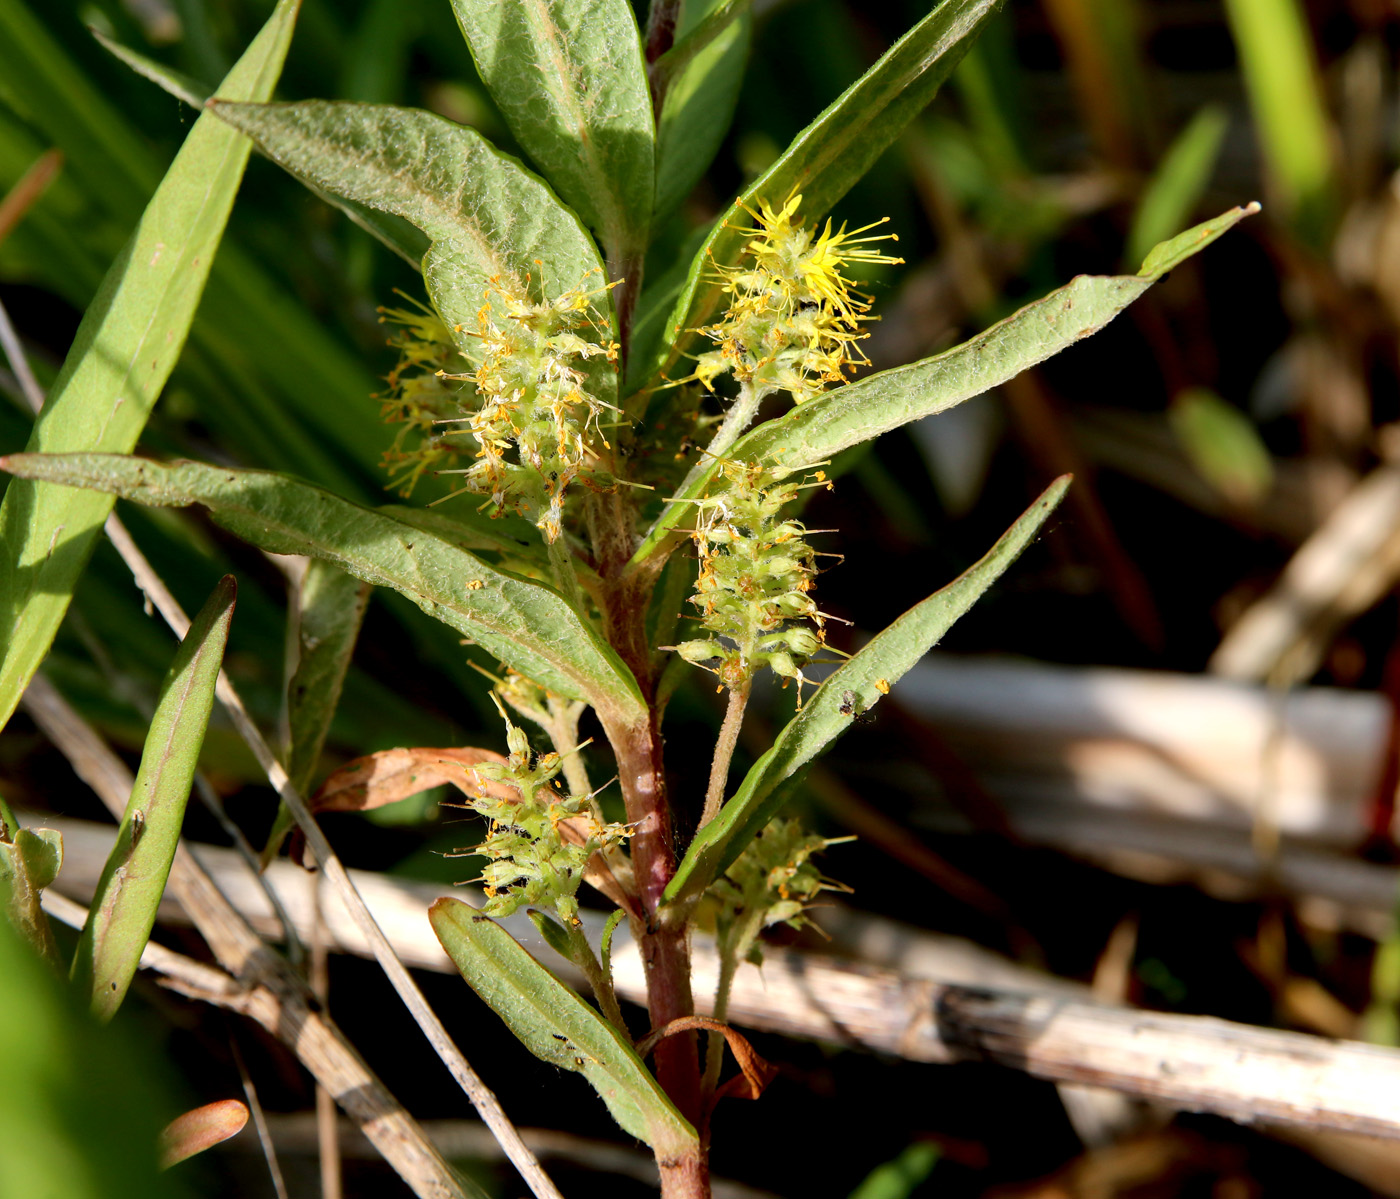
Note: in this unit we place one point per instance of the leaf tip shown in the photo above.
(442, 907)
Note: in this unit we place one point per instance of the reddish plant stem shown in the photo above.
(685, 1177)
(664, 943)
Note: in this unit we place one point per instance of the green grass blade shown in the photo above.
(706, 70)
(330, 609)
(484, 214)
(558, 1027)
(569, 78)
(133, 880)
(527, 625)
(97, 143)
(1178, 183)
(1281, 78)
(856, 687)
(836, 420)
(124, 351)
(828, 157)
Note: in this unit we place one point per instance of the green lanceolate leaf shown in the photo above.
(836, 420)
(396, 234)
(701, 76)
(828, 157)
(133, 880)
(485, 215)
(569, 79)
(554, 1024)
(124, 351)
(526, 625)
(330, 607)
(855, 688)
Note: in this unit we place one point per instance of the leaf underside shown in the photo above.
(486, 217)
(569, 78)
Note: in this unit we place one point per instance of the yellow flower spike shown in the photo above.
(793, 319)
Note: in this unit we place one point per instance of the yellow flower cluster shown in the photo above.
(793, 318)
(755, 580)
(537, 845)
(422, 398)
(536, 419)
(526, 405)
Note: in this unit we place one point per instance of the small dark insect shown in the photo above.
(851, 706)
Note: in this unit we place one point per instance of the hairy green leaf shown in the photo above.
(569, 79)
(526, 625)
(854, 688)
(554, 1024)
(133, 880)
(485, 215)
(836, 420)
(828, 157)
(125, 348)
(393, 232)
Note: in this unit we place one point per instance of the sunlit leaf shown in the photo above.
(485, 216)
(836, 420)
(828, 157)
(527, 625)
